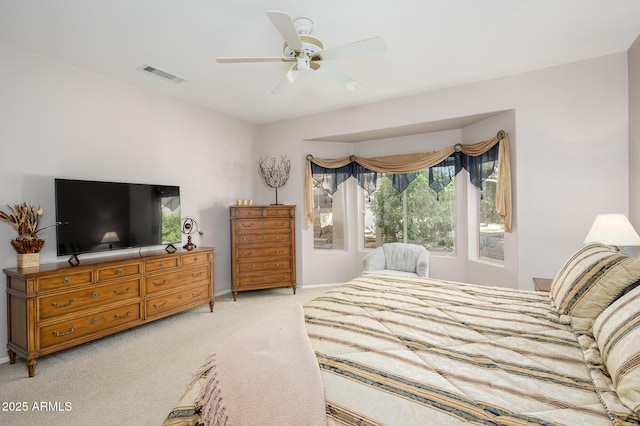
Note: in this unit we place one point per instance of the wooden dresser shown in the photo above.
(57, 306)
(263, 247)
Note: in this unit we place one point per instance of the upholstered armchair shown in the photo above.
(398, 259)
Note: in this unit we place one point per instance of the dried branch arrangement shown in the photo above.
(274, 175)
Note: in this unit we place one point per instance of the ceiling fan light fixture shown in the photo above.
(303, 63)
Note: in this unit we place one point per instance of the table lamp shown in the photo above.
(614, 229)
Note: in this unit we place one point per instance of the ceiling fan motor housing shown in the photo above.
(312, 46)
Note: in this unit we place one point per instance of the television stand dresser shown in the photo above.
(263, 247)
(56, 306)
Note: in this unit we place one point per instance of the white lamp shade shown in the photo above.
(110, 237)
(613, 229)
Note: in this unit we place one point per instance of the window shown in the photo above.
(491, 229)
(328, 214)
(418, 215)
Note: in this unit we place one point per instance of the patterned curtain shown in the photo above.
(479, 159)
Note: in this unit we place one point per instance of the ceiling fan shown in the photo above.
(306, 52)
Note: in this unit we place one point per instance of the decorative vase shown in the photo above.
(27, 245)
(28, 260)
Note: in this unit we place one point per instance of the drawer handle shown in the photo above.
(279, 237)
(195, 258)
(248, 253)
(279, 224)
(247, 239)
(194, 275)
(180, 297)
(56, 306)
(161, 264)
(247, 225)
(94, 294)
(247, 267)
(162, 305)
(122, 316)
(64, 333)
(95, 320)
(159, 284)
(197, 294)
(281, 265)
(120, 293)
(119, 271)
(66, 280)
(280, 251)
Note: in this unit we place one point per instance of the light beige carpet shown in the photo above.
(135, 377)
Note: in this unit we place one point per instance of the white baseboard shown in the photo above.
(223, 292)
(4, 360)
(320, 285)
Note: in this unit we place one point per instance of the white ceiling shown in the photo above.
(431, 44)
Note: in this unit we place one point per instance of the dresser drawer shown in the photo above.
(251, 252)
(264, 280)
(276, 265)
(195, 259)
(161, 264)
(264, 238)
(161, 282)
(172, 301)
(280, 212)
(75, 301)
(260, 225)
(76, 328)
(251, 212)
(64, 281)
(119, 271)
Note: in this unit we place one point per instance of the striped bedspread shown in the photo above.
(415, 351)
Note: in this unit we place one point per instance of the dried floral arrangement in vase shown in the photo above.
(25, 220)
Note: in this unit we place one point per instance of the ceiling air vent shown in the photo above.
(161, 74)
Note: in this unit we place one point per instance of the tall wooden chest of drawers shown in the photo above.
(263, 247)
(57, 306)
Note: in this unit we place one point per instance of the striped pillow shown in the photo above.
(591, 279)
(617, 332)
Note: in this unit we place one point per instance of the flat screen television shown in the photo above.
(101, 216)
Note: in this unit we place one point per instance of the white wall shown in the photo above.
(60, 121)
(569, 160)
(634, 134)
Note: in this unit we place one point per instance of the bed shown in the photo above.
(398, 350)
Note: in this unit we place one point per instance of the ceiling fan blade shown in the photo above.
(241, 60)
(287, 81)
(357, 48)
(285, 26)
(348, 83)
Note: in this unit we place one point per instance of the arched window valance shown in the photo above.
(478, 159)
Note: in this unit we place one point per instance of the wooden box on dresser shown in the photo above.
(263, 247)
(58, 306)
